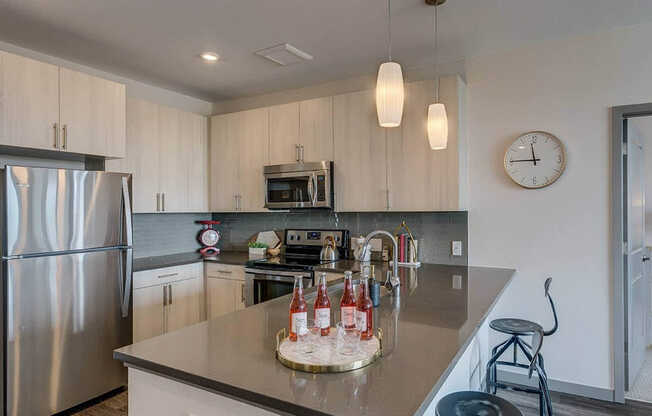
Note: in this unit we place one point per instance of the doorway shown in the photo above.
(632, 134)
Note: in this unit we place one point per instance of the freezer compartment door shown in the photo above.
(50, 210)
(64, 319)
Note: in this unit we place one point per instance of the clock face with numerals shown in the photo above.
(535, 159)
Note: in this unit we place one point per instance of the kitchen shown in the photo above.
(223, 136)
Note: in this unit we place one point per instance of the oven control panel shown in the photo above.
(314, 237)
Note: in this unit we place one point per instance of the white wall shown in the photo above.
(134, 88)
(565, 87)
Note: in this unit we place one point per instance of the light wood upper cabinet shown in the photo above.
(197, 126)
(92, 114)
(142, 154)
(284, 134)
(167, 156)
(43, 106)
(224, 163)
(360, 154)
(29, 102)
(239, 150)
(316, 129)
(422, 179)
(253, 136)
(174, 166)
(301, 131)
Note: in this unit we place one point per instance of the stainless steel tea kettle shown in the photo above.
(329, 251)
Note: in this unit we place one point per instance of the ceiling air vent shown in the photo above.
(284, 54)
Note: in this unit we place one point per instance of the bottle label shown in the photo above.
(300, 323)
(361, 320)
(323, 317)
(348, 316)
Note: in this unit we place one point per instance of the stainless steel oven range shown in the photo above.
(269, 278)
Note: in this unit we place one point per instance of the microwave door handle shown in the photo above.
(314, 196)
(311, 189)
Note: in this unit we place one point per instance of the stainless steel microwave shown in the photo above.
(299, 185)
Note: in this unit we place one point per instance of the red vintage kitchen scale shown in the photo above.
(209, 237)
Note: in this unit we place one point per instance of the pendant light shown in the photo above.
(389, 85)
(437, 119)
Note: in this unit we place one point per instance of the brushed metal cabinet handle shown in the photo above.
(165, 296)
(302, 152)
(56, 135)
(158, 201)
(64, 144)
(242, 297)
(162, 201)
(170, 296)
(163, 276)
(296, 151)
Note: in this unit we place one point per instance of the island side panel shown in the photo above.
(150, 394)
(468, 372)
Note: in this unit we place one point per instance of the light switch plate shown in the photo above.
(456, 248)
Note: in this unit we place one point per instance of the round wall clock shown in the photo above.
(536, 159)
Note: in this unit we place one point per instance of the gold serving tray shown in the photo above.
(354, 364)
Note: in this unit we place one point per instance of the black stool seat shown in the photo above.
(514, 326)
(474, 403)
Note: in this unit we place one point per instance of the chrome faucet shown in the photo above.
(393, 279)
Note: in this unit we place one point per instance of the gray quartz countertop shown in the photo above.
(425, 333)
(157, 262)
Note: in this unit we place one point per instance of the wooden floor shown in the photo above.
(566, 405)
(563, 405)
(112, 406)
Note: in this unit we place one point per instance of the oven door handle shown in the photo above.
(276, 273)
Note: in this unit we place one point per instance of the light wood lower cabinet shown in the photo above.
(225, 288)
(167, 299)
(167, 154)
(149, 311)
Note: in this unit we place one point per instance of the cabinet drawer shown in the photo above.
(166, 275)
(225, 271)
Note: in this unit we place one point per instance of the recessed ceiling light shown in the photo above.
(210, 56)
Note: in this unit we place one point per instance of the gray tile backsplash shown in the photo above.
(162, 234)
(434, 230)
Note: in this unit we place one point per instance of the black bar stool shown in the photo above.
(518, 328)
(474, 403)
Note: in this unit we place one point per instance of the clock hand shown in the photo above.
(534, 158)
(526, 160)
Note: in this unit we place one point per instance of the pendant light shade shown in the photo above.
(437, 126)
(389, 85)
(389, 94)
(437, 119)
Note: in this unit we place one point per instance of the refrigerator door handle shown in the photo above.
(127, 204)
(125, 284)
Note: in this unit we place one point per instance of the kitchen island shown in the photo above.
(435, 342)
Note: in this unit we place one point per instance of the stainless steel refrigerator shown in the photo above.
(66, 276)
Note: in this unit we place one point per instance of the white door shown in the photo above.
(637, 296)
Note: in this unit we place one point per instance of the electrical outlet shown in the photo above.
(457, 281)
(456, 248)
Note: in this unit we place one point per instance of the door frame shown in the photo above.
(618, 153)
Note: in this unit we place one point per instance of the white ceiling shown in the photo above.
(157, 41)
